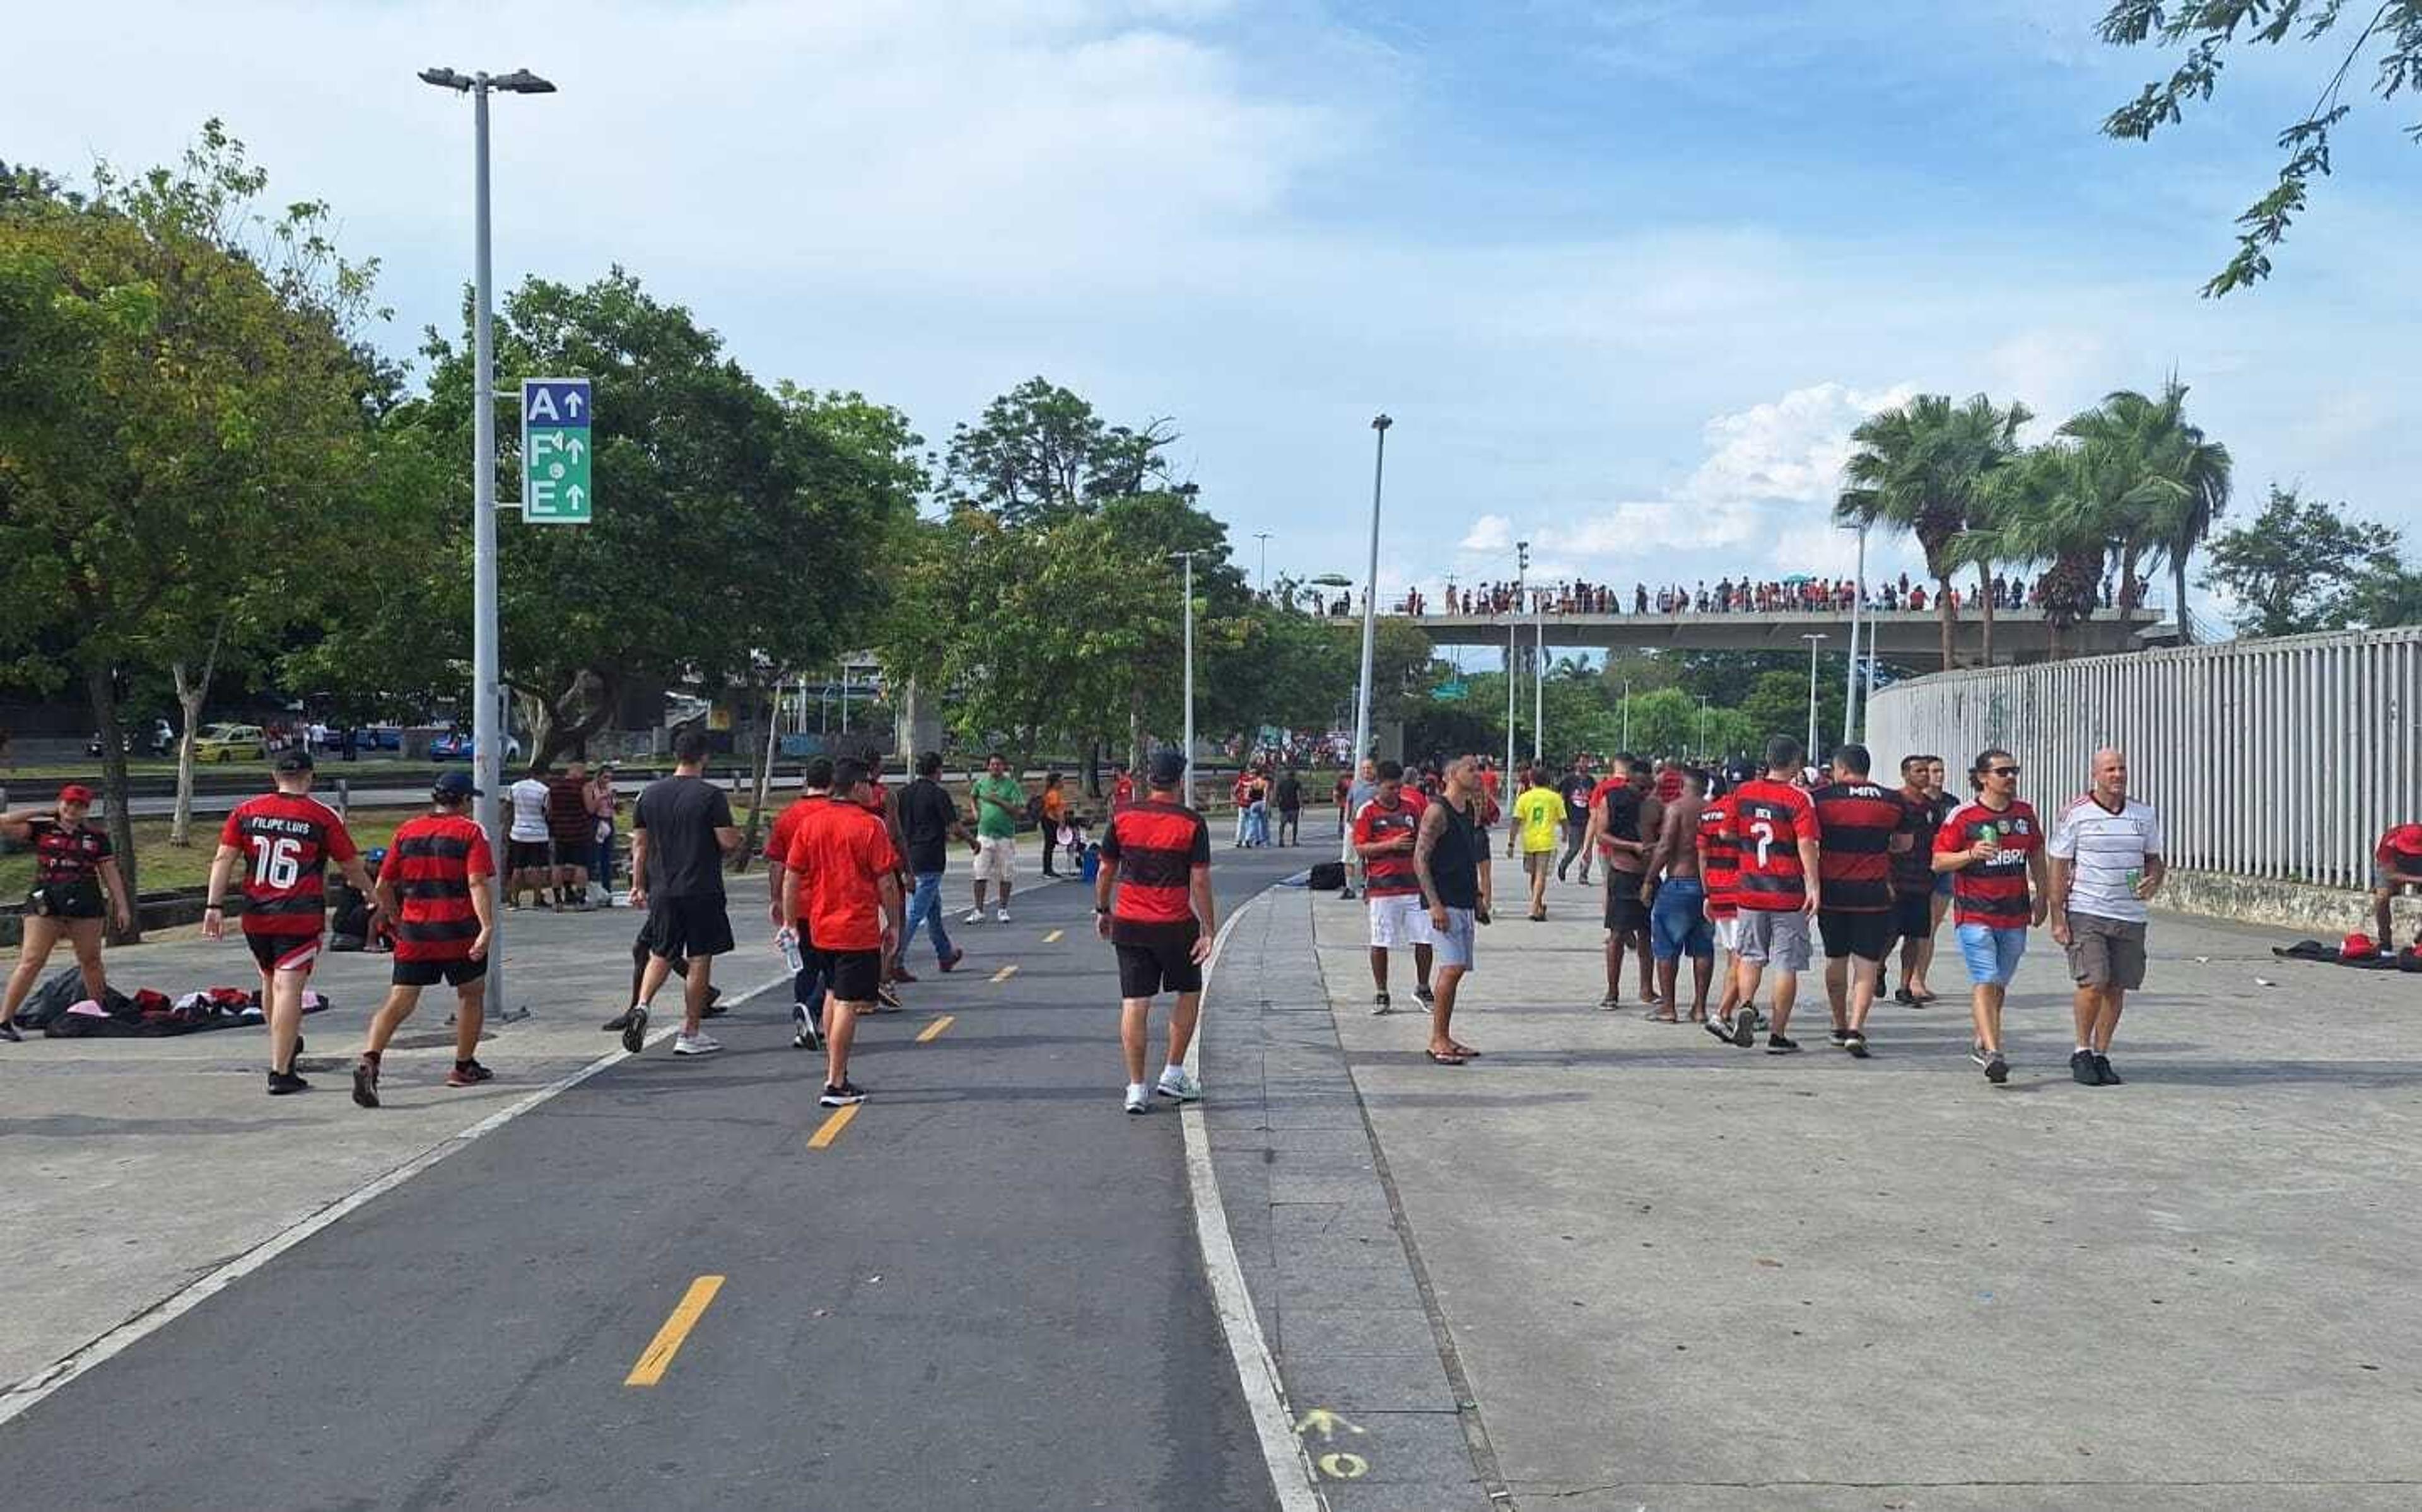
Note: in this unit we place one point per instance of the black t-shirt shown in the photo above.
(681, 816)
(1574, 788)
(926, 814)
(1454, 861)
(1289, 793)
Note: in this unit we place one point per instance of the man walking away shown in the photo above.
(529, 845)
(1779, 888)
(1451, 859)
(571, 834)
(929, 820)
(1992, 846)
(845, 895)
(1539, 815)
(1733, 1021)
(681, 832)
(808, 978)
(2106, 863)
(997, 798)
(1621, 813)
(1914, 915)
(282, 843)
(1289, 797)
(1677, 920)
(1152, 901)
(1384, 831)
(1863, 826)
(1574, 788)
(434, 885)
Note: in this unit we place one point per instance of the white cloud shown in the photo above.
(1491, 535)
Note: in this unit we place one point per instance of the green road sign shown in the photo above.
(556, 451)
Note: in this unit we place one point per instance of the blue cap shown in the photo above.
(455, 785)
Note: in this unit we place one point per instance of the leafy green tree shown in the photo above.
(1778, 704)
(1040, 451)
(1921, 469)
(2178, 484)
(2302, 566)
(2060, 506)
(2204, 33)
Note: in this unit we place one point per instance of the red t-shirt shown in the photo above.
(842, 853)
(1719, 857)
(2401, 848)
(433, 862)
(1391, 874)
(786, 827)
(1156, 845)
(1860, 820)
(1769, 819)
(287, 840)
(1993, 893)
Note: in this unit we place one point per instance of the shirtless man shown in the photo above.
(1677, 913)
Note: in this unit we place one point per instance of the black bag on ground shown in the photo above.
(1327, 875)
(62, 989)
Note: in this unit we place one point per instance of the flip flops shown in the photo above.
(1447, 1059)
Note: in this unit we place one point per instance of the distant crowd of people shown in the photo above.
(1727, 596)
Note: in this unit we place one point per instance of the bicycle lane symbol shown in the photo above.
(1336, 1464)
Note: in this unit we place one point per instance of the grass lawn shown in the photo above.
(160, 866)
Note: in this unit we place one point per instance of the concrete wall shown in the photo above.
(2324, 914)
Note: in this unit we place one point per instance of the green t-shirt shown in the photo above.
(999, 803)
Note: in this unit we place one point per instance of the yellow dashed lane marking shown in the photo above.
(1004, 974)
(658, 1356)
(1053, 938)
(830, 1129)
(933, 1031)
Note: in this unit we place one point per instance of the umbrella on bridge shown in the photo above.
(1796, 578)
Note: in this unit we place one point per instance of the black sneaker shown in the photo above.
(714, 1009)
(2103, 1068)
(1721, 1028)
(1997, 1070)
(9, 1032)
(616, 1024)
(365, 1074)
(2081, 1068)
(1778, 1045)
(842, 1096)
(1838, 1036)
(1426, 997)
(284, 1082)
(635, 1029)
(1379, 1004)
(469, 1074)
(1744, 1026)
(1856, 1043)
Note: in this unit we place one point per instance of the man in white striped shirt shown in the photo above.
(2106, 861)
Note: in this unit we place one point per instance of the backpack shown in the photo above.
(1327, 875)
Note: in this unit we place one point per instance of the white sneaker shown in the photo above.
(1002, 917)
(1181, 1086)
(697, 1044)
(1138, 1101)
(972, 917)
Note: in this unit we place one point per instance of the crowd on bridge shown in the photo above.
(1799, 594)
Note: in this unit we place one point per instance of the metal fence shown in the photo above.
(2281, 759)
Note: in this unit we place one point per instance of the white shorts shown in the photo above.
(1728, 933)
(1398, 920)
(997, 860)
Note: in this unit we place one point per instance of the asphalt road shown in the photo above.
(985, 1292)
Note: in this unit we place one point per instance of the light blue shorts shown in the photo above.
(1992, 954)
(1453, 944)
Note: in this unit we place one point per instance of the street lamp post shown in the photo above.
(1626, 713)
(1813, 640)
(1851, 679)
(1539, 688)
(1702, 726)
(1513, 631)
(1264, 536)
(1379, 422)
(487, 734)
(1187, 557)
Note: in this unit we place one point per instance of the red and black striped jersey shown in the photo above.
(1391, 874)
(1921, 817)
(287, 840)
(67, 855)
(1769, 819)
(1156, 845)
(1860, 820)
(1719, 857)
(432, 865)
(1992, 891)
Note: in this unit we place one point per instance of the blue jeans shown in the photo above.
(1991, 955)
(1678, 921)
(926, 907)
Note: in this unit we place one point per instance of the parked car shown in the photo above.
(231, 742)
(459, 746)
(377, 738)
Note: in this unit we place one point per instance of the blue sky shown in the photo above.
(1625, 274)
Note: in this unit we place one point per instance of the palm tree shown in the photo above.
(2181, 478)
(1923, 468)
(2060, 506)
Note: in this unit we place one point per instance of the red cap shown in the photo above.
(75, 792)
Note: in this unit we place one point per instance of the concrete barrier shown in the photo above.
(2325, 914)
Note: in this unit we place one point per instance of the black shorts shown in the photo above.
(284, 952)
(687, 927)
(430, 972)
(1868, 936)
(527, 855)
(1149, 968)
(1624, 912)
(67, 900)
(579, 853)
(1913, 916)
(852, 975)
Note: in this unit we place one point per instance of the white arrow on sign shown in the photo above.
(571, 445)
(575, 495)
(572, 401)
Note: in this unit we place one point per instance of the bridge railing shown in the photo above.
(2267, 758)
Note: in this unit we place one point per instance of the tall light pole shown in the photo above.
(1813, 640)
(487, 732)
(1702, 726)
(1626, 713)
(1851, 679)
(1264, 536)
(1379, 422)
(1513, 630)
(1539, 688)
(1187, 557)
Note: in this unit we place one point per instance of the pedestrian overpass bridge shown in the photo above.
(1906, 638)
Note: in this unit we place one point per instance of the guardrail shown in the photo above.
(2279, 759)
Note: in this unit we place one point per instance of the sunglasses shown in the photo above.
(2002, 771)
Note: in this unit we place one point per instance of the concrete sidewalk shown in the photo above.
(1680, 1275)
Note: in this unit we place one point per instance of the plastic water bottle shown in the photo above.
(787, 940)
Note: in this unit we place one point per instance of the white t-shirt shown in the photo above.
(2105, 847)
(529, 809)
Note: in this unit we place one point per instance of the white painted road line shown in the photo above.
(29, 1393)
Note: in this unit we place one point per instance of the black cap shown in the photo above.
(454, 785)
(1167, 769)
(293, 759)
